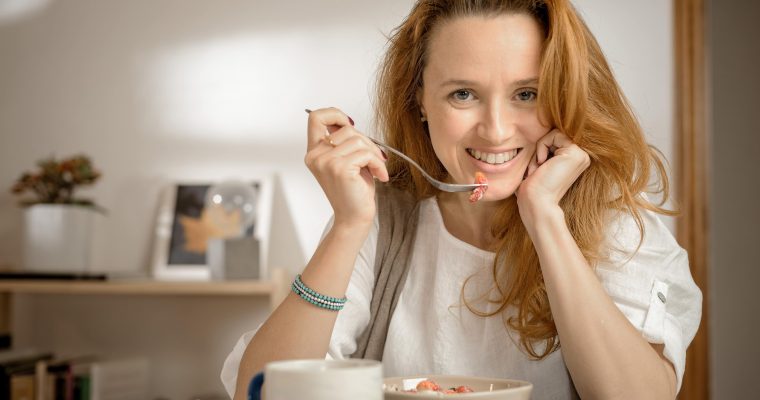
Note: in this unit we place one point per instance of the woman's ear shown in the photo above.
(423, 113)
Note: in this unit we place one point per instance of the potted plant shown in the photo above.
(57, 224)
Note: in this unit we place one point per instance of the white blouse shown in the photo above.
(432, 332)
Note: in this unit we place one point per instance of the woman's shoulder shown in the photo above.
(626, 230)
(642, 239)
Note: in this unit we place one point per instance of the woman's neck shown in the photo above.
(468, 222)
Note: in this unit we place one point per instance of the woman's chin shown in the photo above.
(498, 193)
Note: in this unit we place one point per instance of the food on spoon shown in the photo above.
(479, 191)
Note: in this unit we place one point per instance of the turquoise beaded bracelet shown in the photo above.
(317, 299)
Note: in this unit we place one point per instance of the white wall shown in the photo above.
(637, 38)
(157, 91)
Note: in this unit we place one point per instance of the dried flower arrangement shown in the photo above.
(54, 181)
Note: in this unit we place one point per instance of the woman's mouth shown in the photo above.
(493, 158)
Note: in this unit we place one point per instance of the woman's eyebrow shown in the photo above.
(468, 83)
(458, 82)
(525, 82)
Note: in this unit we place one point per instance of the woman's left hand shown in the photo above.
(557, 163)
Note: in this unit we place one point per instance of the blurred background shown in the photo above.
(158, 92)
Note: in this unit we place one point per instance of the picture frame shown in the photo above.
(182, 203)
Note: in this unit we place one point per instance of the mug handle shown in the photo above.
(254, 388)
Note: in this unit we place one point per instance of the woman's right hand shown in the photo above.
(344, 161)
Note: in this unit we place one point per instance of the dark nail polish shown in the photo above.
(351, 121)
(385, 156)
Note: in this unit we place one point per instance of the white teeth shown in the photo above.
(493, 158)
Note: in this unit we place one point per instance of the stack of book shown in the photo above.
(29, 375)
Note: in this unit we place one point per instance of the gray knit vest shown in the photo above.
(398, 213)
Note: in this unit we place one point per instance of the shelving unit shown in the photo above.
(275, 288)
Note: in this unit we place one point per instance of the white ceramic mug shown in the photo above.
(320, 380)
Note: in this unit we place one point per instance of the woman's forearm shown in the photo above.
(606, 356)
(298, 329)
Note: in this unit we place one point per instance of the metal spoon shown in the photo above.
(446, 187)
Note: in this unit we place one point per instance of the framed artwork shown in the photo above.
(183, 227)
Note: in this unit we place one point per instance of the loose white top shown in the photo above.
(431, 332)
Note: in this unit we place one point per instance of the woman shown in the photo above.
(561, 275)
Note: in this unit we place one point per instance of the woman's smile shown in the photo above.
(492, 161)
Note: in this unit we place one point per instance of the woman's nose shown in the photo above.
(497, 124)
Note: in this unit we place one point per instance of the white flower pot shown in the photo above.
(57, 238)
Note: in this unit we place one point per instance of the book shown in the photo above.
(91, 378)
(56, 379)
(82, 387)
(22, 387)
(29, 375)
(119, 379)
(63, 382)
(18, 365)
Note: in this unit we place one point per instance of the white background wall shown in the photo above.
(156, 91)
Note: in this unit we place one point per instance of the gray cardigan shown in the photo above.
(398, 213)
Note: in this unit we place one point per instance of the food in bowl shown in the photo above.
(445, 386)
(429, 386)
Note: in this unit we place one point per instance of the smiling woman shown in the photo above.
(564, 247)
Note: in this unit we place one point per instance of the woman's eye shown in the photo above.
(462, 95)
(527, 95)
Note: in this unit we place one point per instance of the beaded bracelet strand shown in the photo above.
(317, 299)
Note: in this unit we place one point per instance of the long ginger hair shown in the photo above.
(578, 95)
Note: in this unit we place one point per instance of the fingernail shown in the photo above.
(351, 121)
(385, 156)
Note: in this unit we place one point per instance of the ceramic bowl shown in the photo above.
(485, 388)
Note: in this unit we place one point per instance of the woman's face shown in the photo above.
(480, 98)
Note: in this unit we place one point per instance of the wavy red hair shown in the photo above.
(579, 95)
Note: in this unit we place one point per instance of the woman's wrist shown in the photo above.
(540, 218)
(352, 228)
(330, 268)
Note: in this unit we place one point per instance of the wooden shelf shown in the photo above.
(140, 287)
(276, 289)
